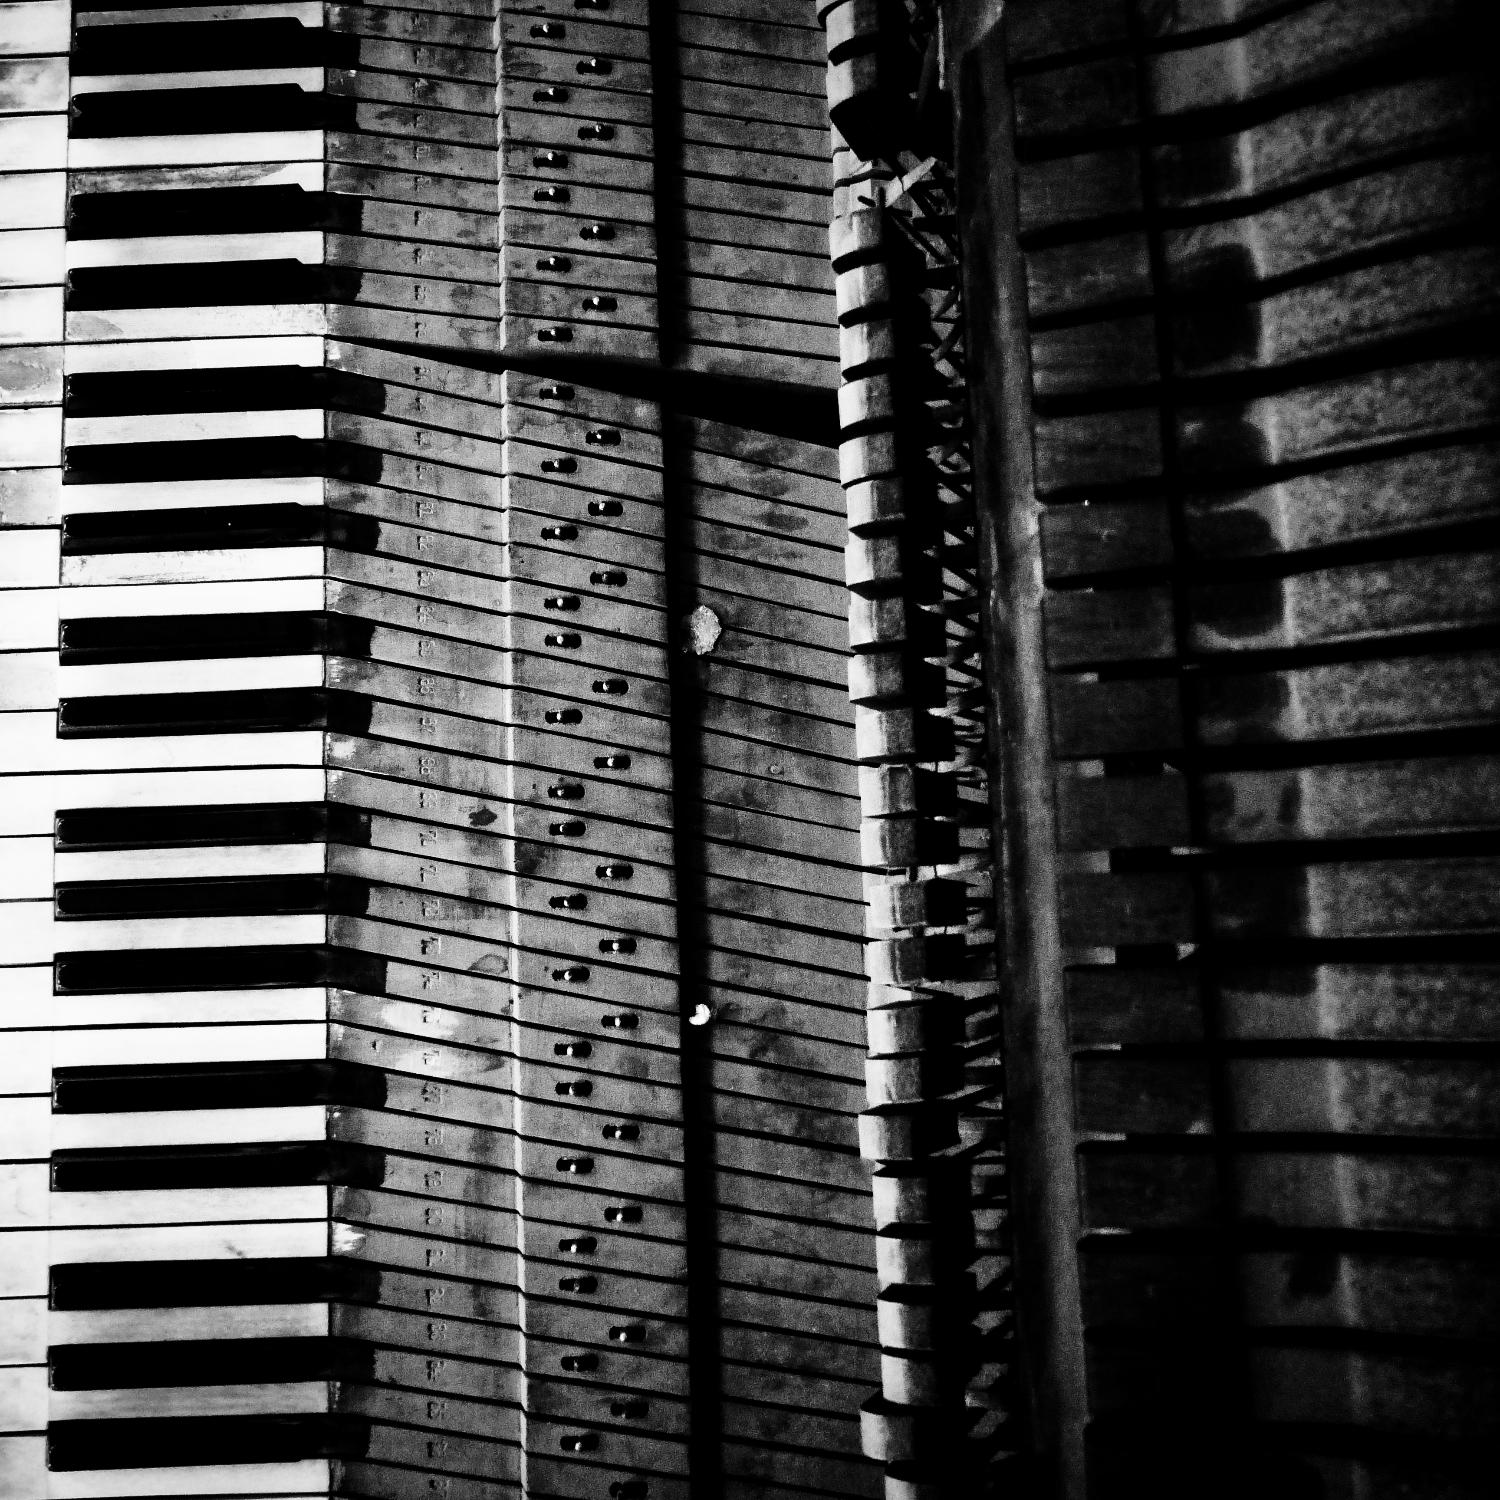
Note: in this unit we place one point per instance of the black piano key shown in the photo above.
(197, 46)
(253, 1164)
(122, 393)
(207, 111)
(192, 529)
(182, 827)
(223, 896)
(216, 458)
(103, 1089)
(269, 966)
(225, 210)
(105, 1367)
(201, 637)
(254, 710)
(207, 284)
(146, 1442)
(95, 1285)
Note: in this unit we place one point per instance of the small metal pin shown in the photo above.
(571, 974)
(570, 828)
(564, 640)
(575, 1088)
(606, 508)
(615, 872)
(597, 232)
(559, 533)
(620, 1022)
(556, 392)
(628, 1333)
(611, 762)
(599, 304)
(622, 1213)
(604, 437)
(549, 95)
(621, 1132)
(617, 945)
(565, 791)
(560, 601)
(559, 465)
(552, 195)
(573, 1049)
(584, 1285)
(549, 31)
(612, 687)
(559, 263)
(578, 1442)
(596, 132)
(574, 901)
(554, 335)
(584, 1244)
(563, 716)
(578, 1364)
(596, 67)
(610, 578)
(575, 1166)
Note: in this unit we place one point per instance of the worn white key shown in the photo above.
(178, 598)
(24, 1476)
(23, 1397)
(32, 200)
(230, 564)
(34, 143)
(187, 1127)
(194, 426)
(185, 1205)
(28, 679)
(188, 1400)
(30, 314)
(193, 150)
(303, 174)
(219, 353)
(186, 863)
(32, 257)
(27, 1003)
(29, 934)
(208, 675)
(25, 867)
(28, 619)
(309, 1479)
(32, 27)
(129, 1325)
(29, 807)
(129, 1045)
(308, 12)
(311, 79)
(29, 560)
(178, 249)
(25, 1126)
(253, 319)
(30, 437)
(28, 742)
(23, 1341)
(30, 1253)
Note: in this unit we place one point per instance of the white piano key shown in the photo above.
(312, 79)
(28, 742)
(181, 1127)
(28, 679)
(24, 1476)
(239, 596)
(308, 12)
(127, 1045)
(29, 560)
(32, 200)
(177, 249)
(23, 1341)
(187, 1400)
(310, 1479)
(231, 564)
(34, 143)
(184, 863)
(29, 934)
(173, 1008)
(25, 867)
(28, 619)
(30, 314)
(28, 807)
(31, 497)
(25, 1127)
(89, 152)
(182, 1205)
(193, 426)
(235, 321)
(218, 353)
(31, 1253)
(30, 437)
(304, 174)
(128, 1325)
(31, 257)
(33, 27)
(26, 1057)
(23, 1396)
(207, 675)
(24, 1195)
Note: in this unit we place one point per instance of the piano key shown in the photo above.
(31, 257)
(196, 676)
(300, 10)
(201, 566)
(189, 863)
(167, 1127)
(29, 199)
(30, 376)
(312, 80)
(239, 320)
(259, 1345)
(200, 1400)
(301, 245)
(111, 153)
(23, 1460)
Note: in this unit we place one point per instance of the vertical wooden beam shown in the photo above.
(1044, 1189)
